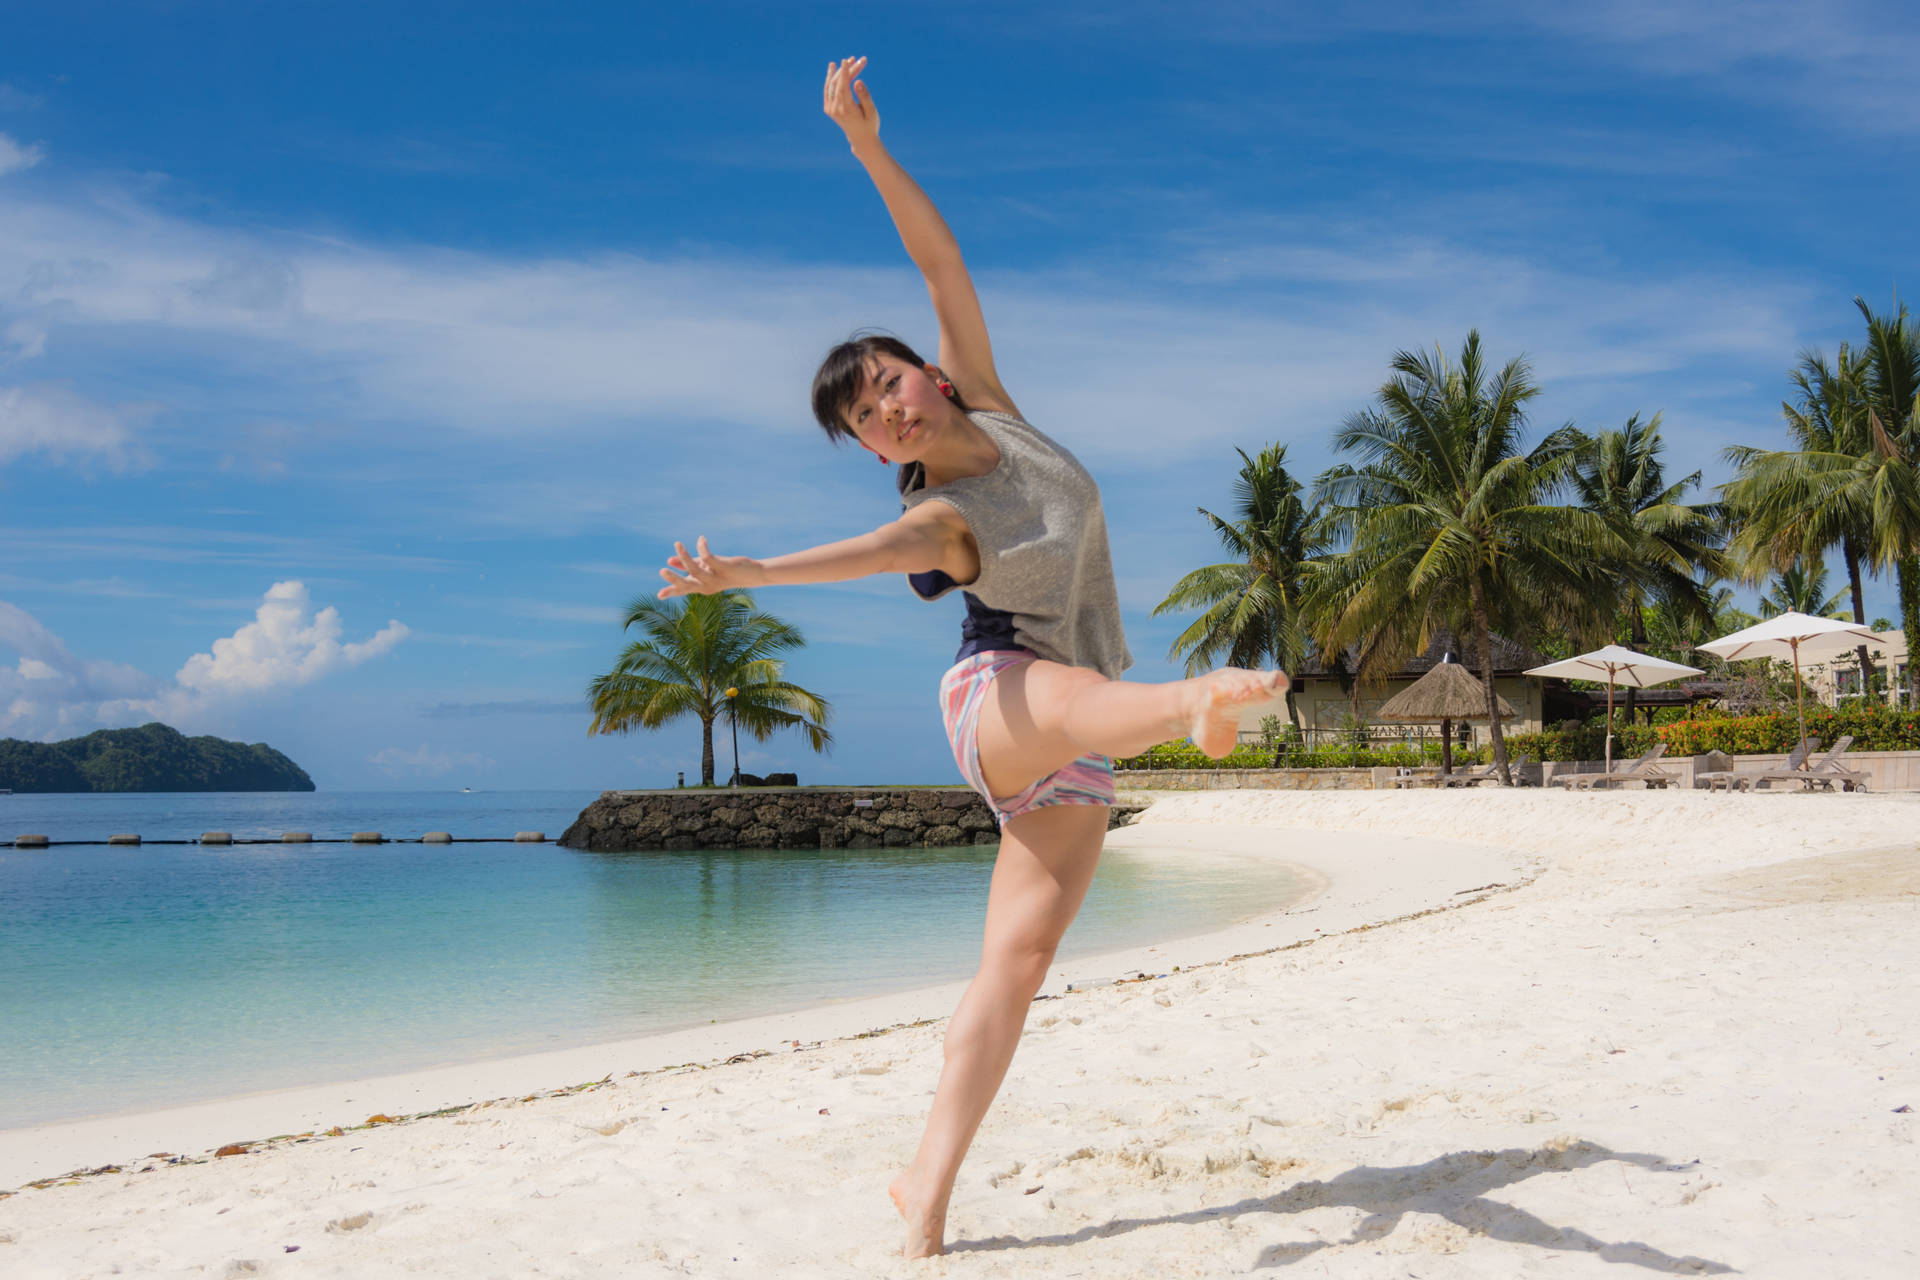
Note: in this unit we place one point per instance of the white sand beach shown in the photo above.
(1513, 1034)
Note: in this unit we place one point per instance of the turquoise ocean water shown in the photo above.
(144, 977)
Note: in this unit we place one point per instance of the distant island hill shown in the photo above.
(154, 757)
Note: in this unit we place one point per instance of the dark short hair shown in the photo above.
(843, 375)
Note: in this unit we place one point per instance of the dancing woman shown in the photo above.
(1034, 706)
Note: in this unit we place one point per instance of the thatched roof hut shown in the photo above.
(1447, 692)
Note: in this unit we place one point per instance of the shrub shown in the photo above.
(1572, 740)
(1873, 729)
(1289, 754)
(1184, 755)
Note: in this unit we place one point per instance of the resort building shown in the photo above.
(1330, 712)
(1333, 710)
(1837, 682)
(1329, 708)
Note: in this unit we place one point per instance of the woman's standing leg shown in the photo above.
(1046, 862)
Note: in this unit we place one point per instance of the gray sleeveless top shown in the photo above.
(1046, 575)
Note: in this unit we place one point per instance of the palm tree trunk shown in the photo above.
(1852, 556)
(1908, 574)
(1637, 628)
(1483, 636)
(706, 751)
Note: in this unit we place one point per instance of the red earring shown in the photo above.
(881, 456)
(946, 388)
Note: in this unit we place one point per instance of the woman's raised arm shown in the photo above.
(966, 354)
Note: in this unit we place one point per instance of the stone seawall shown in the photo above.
(1247, 779)
(788, 818)
(1884, 770)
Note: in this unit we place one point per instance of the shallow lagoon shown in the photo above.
(133, 978)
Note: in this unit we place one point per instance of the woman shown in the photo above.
(1034, 706)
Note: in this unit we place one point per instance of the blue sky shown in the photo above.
(358, 363)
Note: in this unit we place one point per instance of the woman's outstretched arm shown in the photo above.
(930, 536)
(966, 354)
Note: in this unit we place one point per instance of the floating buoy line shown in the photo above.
(34, 841)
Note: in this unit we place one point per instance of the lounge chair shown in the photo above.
(1739, 779)
(1642, 770)
(1484, 773)
(1823, 772)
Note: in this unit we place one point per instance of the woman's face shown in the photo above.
(900, 411)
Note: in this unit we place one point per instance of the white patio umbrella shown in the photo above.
(1788, 636)
(1616, 665)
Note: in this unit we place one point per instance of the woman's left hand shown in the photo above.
(846, 100)
(702, 573)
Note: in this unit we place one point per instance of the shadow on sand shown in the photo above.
(1454, 1187)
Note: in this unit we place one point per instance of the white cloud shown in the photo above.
(49, 692)
(52, 420)
(426, 761)
(1207, 331)
(29, 339)
(188, 544)
(287, 644)
(262, 450)
(1850, 60)
(455, 339)
(13, 156)
(1221, 332)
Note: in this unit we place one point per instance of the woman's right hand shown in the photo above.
(702, 573)
(846, 100)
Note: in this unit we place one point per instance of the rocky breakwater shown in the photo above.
(778, 818)
(783, 818)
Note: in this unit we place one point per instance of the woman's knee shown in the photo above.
(1019, 962)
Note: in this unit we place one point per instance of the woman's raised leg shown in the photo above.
(1041, 716)
(1046, 862)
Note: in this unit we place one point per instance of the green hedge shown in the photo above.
(1184, 755)
(1581, 742)
(1872, 729)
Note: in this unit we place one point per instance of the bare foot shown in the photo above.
(926, 1222)
(1220, 696)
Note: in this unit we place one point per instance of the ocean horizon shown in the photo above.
(141, 977)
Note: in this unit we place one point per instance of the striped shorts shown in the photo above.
(1088, 780)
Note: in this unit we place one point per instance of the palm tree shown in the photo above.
(1619, 477)
(1800, 589)
(1679, 631)
(1448, 525)
(1893, 414)
(1794, 506)
(1251, 604)
(693, 654)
